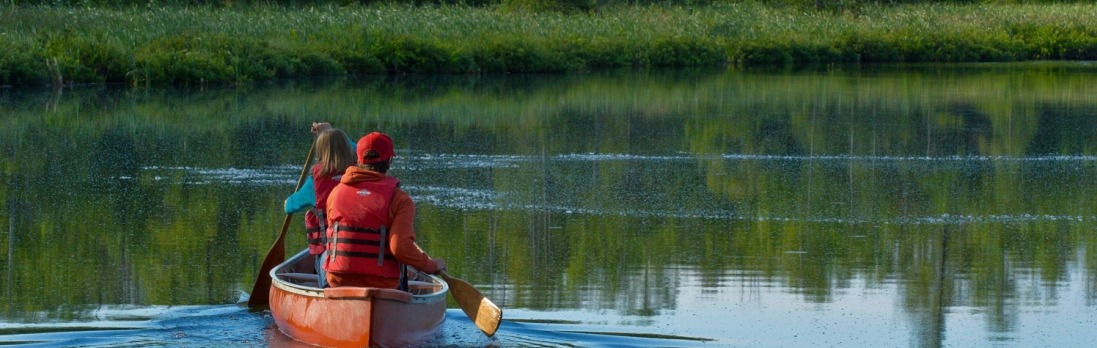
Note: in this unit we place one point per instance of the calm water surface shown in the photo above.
(887, 207)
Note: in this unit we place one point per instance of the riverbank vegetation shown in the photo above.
(217, 44)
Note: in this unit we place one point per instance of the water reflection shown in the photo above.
(930, 206)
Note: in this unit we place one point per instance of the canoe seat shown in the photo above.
(421, 288)
(354, 293)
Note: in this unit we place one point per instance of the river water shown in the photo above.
(889, 206)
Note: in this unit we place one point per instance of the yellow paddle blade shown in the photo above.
(484, 313)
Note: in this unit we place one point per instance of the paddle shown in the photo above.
(260, 293)
(480, 309)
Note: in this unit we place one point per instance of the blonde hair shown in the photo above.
(333, 152)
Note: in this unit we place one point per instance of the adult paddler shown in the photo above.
(370, 232)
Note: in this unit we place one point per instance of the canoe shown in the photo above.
(354, 316)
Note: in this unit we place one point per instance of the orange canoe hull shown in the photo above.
(356, 317)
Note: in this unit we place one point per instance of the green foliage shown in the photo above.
(405, 54)
(874, 49)
(517, 55)
(309, 63)
(200, 45)
(604, 53)
(685, 52)
(550, 5)
(534, 5)
(217, 59)
(1074, 42)
(357, 62)
(88, 58)
(180, 60)
(754, 54)
(20, 65)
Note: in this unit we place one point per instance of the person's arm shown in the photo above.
(302, 200)
(305, 198)
(402, 239)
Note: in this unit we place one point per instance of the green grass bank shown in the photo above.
(45, 45)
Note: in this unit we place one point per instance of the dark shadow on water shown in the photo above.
(40, 330)
(546, 321)
(553, 329)
(569, 333)
(71, 336)
(643, 335)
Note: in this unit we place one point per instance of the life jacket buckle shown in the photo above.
(335, 241)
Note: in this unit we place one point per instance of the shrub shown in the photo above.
(21, 65)
(550, 5)
(406, 54)
(79, 58)
(686, 52)
(179, 60)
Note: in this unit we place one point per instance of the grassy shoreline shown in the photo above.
(201, 45)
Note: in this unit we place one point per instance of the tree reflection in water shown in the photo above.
(599, 192)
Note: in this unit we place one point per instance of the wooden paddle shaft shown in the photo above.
(260, 292)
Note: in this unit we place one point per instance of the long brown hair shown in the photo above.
(333, 152)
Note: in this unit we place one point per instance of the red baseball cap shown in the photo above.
(377, 142)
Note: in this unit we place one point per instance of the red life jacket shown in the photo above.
(357, 232)
(316, 218)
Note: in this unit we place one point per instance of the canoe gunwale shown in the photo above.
(439, 294)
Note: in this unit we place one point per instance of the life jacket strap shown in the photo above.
(321, 218)
(403, 278)
(361, 254)
(381, 243)
(357, 229)
(384, 239)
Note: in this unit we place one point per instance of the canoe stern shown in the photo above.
(357, 317)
